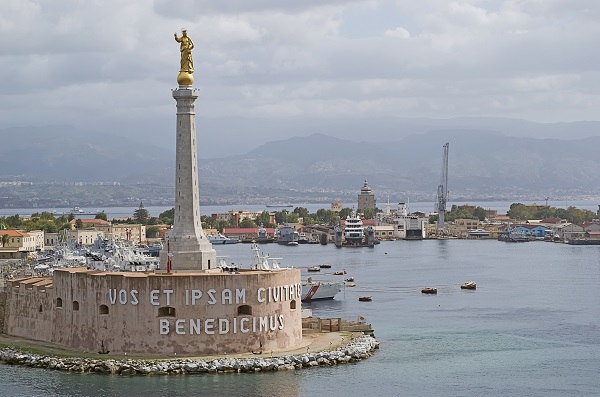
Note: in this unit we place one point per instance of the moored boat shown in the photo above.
(354, 232)
(469, 285)
(221, 239)
(365, 298)
(320, 290)
(286, 235)
(429, 290)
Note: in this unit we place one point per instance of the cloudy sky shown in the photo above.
(271, 68)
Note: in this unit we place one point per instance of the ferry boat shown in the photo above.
(221, 239)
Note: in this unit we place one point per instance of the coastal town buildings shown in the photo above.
(17, 244)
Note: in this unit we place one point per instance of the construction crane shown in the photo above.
(442, 193)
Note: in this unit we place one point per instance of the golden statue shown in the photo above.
(187, 64)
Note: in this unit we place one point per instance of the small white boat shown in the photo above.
(221, 239)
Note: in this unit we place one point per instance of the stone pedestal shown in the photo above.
(190, 248)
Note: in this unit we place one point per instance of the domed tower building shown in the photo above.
(366, 198)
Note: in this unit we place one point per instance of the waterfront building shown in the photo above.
(83, 237)
(568, 231)
(90, 223)
(50, 240)
(366, 198)
(384, 232)
(38, 239)
(591, 226)
(461, 227)
(337, 205)
(17, 244)
(134, 232)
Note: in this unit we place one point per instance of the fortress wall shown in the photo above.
(162, 314)
(2, 309)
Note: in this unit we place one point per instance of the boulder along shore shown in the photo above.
(358, 349)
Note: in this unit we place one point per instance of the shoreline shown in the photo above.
(323, 349)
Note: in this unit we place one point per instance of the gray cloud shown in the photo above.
(111, 64)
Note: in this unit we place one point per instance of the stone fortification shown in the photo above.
(359, 349)
(202, 313)
(2, 310)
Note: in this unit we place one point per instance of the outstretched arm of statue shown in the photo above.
(177, 39)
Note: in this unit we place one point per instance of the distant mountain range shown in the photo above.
(482, 162)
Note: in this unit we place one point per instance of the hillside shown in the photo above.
(482, 163)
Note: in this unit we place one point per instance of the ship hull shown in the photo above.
(320, 291)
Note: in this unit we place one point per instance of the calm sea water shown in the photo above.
(532, 327)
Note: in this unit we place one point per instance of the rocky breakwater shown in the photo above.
(360, 348)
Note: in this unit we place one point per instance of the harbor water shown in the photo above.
(530, 329)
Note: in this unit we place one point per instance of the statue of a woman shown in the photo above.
(187, 65)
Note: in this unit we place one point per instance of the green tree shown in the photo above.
(308, 220)
(5, 238)
(247, 223)
(208, 222)
(281, 216)
(265, 219)
(368, 213)
(345, 212)
(520, 211)
(13, 221)
(101, 215)
(141, 214)
(167, 216)
(47, 216)
(78, 224)
(325, 216)
(292, 218)
(152, 232)
(220, 225)
(301, 212)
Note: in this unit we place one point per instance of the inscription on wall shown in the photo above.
(242, 323)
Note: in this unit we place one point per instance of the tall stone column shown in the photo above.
(190, 248)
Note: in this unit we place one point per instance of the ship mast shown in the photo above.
(442, 193)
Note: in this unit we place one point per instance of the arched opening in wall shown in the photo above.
(40, 309)
(244, 310)
(166, 311)
(59, 303)
(75, 306)
(103, 309)
(293, 304)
